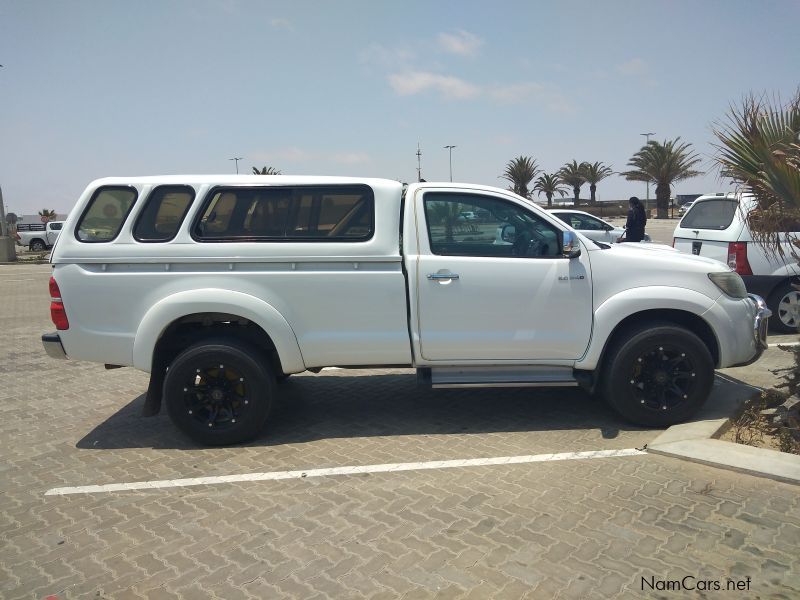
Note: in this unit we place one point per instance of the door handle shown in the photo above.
(442, 276)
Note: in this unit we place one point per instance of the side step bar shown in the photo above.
(481, 377)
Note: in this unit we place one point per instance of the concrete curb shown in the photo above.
(695, 442)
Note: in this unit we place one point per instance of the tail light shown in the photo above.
(17, 236)
(673, 242)
(57, 311)
(737, 258)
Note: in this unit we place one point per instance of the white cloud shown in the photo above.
(350, 158)
(633, 67)
(415, 82)
(461, 42)
(544, 94)
(390, 58)
(281, 23)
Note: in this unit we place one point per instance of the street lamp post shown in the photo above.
(450, 148)
(647, 202)
(236, 159)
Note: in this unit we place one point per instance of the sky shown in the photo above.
(100, 88)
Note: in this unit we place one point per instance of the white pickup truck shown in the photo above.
(220, 285)
(42, 239)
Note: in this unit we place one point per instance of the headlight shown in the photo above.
(730, 283)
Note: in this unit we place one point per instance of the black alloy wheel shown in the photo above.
(219, 392)
(657, 375)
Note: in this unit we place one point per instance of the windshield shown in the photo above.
(710, 214)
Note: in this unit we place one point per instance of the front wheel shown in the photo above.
(784, 303)
(658, 375)
(219, 392)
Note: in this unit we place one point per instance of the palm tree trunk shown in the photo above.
(549, 200)
(592, 191)
(662, 200)
(577, 191)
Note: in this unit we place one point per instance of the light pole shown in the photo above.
(647, 203)
(419, 163)
(236, 159)
(451, 161)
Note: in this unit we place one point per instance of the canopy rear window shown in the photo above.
(107, 210)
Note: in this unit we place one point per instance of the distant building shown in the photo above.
(681, 199)
(27, 219)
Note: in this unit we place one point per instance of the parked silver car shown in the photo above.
(592, 227)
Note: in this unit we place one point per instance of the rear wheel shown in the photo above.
(658, 375)
(784, 303)
(219, 392)
(38, 246)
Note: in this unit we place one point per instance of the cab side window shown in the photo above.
(476, 225)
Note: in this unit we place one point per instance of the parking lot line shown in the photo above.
(776, 344)
(351, 470)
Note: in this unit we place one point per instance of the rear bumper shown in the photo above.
(52, 345)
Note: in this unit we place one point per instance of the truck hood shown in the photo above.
(648, 251)
(628, 266)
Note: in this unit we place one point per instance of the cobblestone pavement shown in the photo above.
(600, 528)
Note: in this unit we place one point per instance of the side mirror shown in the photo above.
(570, 247)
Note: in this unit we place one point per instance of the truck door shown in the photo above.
(53, 229)
(496, 287)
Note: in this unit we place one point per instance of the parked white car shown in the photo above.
(685, 208)
(220, 285)
(716, 227)
(592, 227)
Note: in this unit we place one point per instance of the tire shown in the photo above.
(784, 303)
(642, 391)
(217, 407)
(38, 246)
(282, 377)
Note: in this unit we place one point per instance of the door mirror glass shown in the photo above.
(571, 248)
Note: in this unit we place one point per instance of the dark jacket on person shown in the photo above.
(634, 228)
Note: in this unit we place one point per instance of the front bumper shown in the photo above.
(760, 324)
(52, 345)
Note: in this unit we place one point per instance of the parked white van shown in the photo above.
(220, 285)
(716, 227)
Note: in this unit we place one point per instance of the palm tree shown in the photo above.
(47, 215)
(266, 171)
(595, 173)
(663, 164)
(549, 185)
(759, 151)
(520, 172)
(445, 214)
(574, 175)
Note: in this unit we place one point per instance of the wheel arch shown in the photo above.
(681, 306)
(198, 313)
(681, 318)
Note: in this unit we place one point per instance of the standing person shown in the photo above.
(634, 228)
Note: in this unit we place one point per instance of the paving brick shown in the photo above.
(544, 530)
